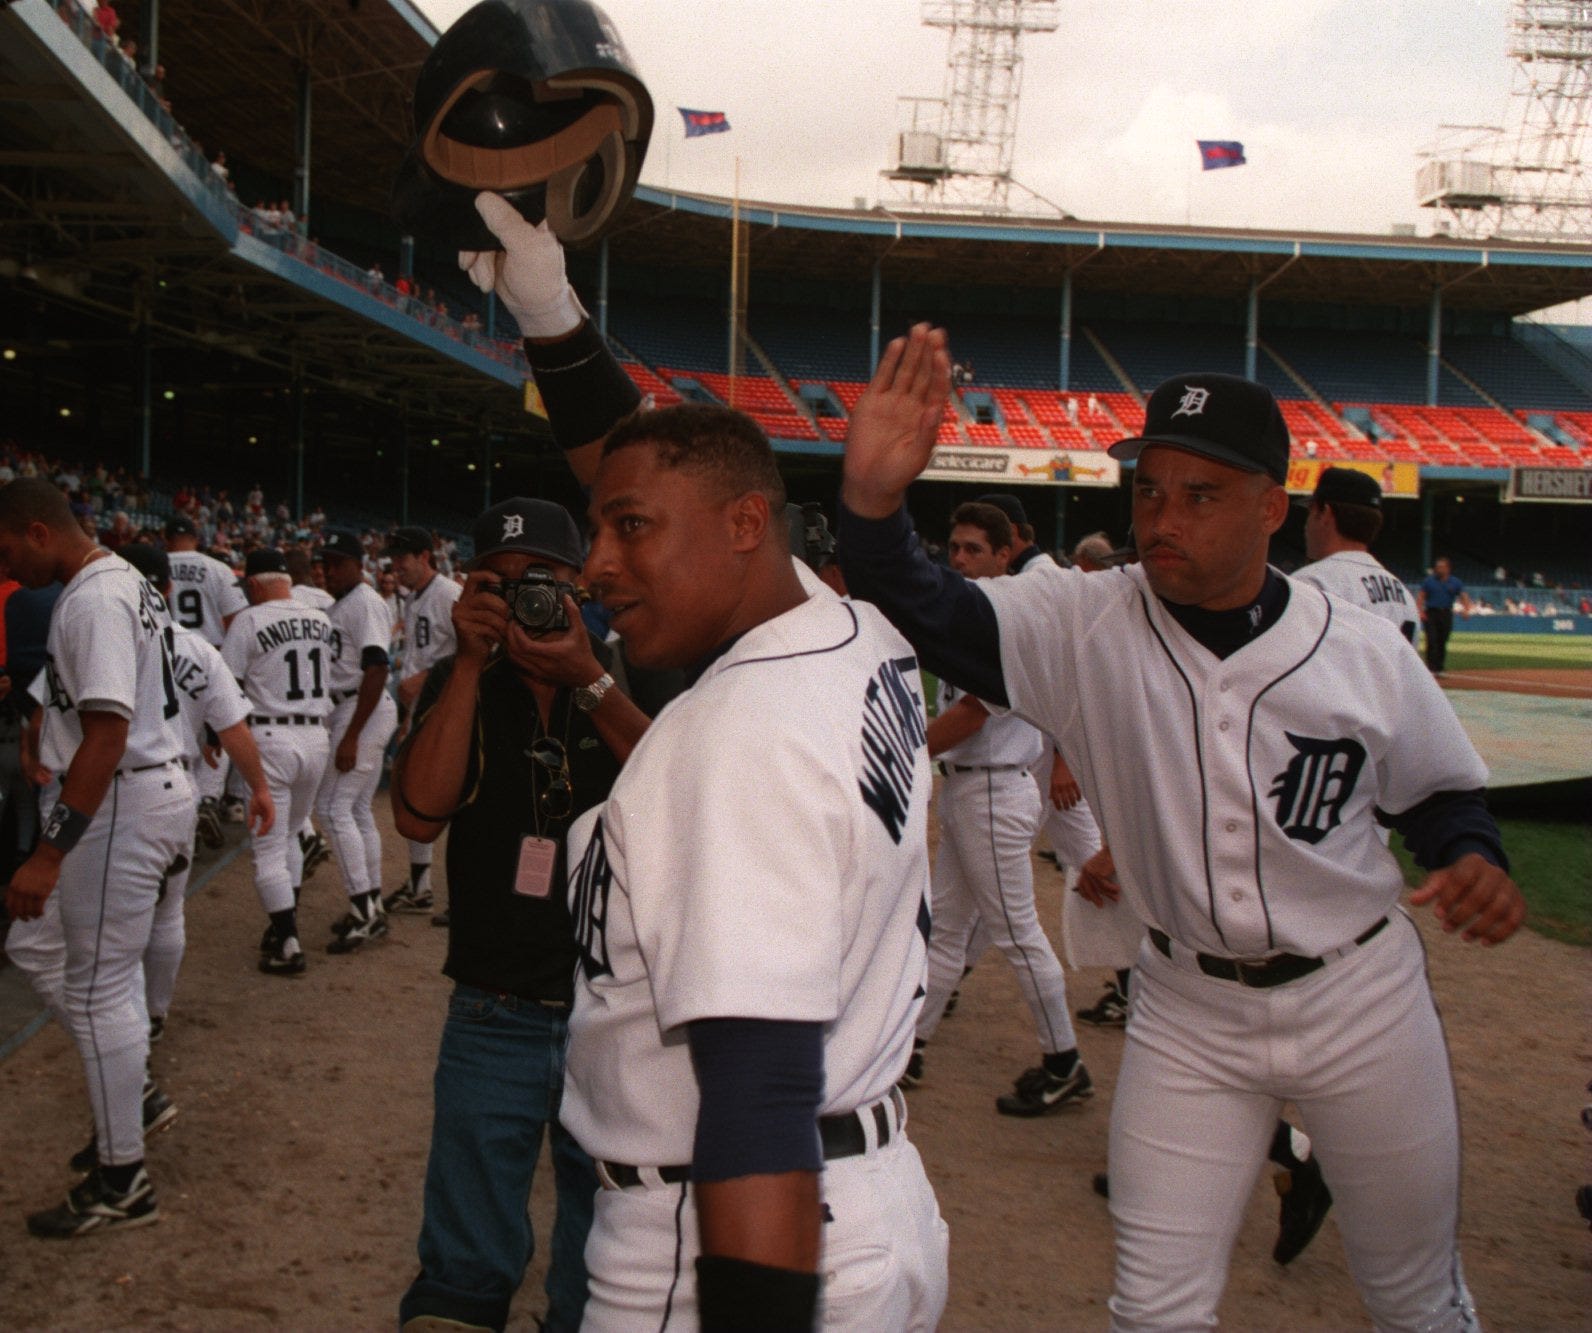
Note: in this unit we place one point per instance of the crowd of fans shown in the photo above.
(118, 507)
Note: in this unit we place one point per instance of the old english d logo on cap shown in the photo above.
(1226, 418)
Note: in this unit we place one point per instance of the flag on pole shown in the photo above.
(698, 123)
(1218, 153)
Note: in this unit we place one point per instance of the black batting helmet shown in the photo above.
(536, 100)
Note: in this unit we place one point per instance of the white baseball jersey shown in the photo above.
(690, 901)
(109, 650)
(1002, 741)
(428, 625)
(361, 621)
(282, 654)
(307, 594)
(203, 593)
(1359, 577)
(1237, 796)
(207, 694)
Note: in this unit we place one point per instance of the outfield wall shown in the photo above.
(1556, 625)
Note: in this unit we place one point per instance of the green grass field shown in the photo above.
(1552, 863)
(1501, 652)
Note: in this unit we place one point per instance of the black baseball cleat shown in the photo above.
(208, 827)
(407, 898)
(317, 851)
(1038, 1091)
(912, 1075)
(94, 1204)
(1110, 1011)
(366, 920)
(1305, 1202)
(284, 958)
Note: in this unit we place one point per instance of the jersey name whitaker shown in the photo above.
(892, 733)
(280, 632)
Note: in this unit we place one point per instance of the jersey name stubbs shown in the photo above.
(892, 733)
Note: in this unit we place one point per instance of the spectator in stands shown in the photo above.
(107, 19)
(1435, 599)
(374, 279)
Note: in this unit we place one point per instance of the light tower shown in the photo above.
(1527, 179)
(955, 151)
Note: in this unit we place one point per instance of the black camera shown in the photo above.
(536, 600)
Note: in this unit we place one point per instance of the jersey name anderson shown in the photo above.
(1276, 759)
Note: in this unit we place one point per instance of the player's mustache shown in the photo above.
(1155, 545)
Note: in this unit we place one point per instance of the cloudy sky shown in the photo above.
(1332, 99)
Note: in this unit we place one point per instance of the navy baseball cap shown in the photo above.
(416, 541)
(1225, 418)
(264, 560)
(1344, 485)
(529, 527)
(340, 541)
(1009, 505)
(150, 561)
(179, 525)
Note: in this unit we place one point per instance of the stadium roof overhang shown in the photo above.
(1506, 278)
(234, 71)
(105, 230)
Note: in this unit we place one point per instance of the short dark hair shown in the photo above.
(34, 500)
(718, 442)
(1356, 523)
(994, 523)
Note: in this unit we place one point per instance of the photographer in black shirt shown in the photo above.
(513, 737)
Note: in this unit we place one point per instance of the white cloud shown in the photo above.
(1332, 99)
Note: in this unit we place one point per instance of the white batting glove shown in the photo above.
(527, 274)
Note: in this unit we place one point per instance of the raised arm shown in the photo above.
(889, 442)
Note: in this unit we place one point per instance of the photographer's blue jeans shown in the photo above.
(500, 1076)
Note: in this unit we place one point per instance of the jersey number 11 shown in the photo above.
(295, 684)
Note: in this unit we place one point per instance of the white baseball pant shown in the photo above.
(982, 869)
(168, 933)
(344, 799)
(85, 954)
(883, 1263)
(1207, 1066)
(295, 760)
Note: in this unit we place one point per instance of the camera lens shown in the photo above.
(537, 607)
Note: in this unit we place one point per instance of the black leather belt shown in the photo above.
(289, 720)
(149, 768)
(841, 1136)
(337, 696)
(1278, 970)
(979, 768)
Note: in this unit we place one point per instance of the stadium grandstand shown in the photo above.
(202, 281)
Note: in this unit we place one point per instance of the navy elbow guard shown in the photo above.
(734, 1295)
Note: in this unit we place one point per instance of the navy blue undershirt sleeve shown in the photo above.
(372, 656)
(1446, 826)
(944, 616)
(761, 1082)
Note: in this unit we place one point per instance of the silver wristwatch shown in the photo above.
(587, 697)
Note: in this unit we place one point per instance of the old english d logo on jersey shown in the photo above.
(892, 731)
(588, 905)
(1312, 790)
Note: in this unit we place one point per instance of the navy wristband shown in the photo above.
(64, 827)
(735, 1294)
(585, 390)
